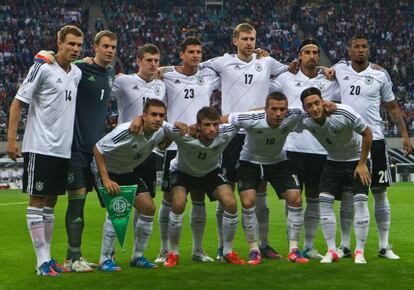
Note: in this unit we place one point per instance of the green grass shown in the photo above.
(17, 256)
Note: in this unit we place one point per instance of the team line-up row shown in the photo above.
(285, 146)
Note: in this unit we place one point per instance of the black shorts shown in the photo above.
(308, 167)
(44, 175)
(381, 172)
(337, 175)
(231, 156)
(280, 175)
(207, 183)
(79, 173)
(148, 173)
(168, 156)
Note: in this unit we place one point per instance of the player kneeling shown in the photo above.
(196, 167)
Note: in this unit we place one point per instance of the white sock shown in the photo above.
(262, 213)
(198, 223)
(328, 219)
(163, 216)
(143, 231)
(108, 240)
(36, 226)
(175, 226)
(361, 222)
(295, 225)
(311, 221)
(134, 226)
(49, 221)
(346, 216)
(230, 222)
(382, 215)
(250, 227)
(219, 223)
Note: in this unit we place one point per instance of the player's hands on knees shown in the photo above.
(260, 52)
(182, 127)
(329, 107)
(407, 146)
(136, 125)
(13, 150)
(111, 186)
(362, 171)
(45, 56)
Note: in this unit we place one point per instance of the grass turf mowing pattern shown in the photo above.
(18, 259)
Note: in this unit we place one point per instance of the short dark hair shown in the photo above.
(309, 92)
(277, 96)
(308, 41)
(189, 40)
(153, 103)
(148, 48)
(357, 36)
(107, 33)
(209, 113)
(68, 29)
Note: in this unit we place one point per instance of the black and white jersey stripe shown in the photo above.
(117, 138)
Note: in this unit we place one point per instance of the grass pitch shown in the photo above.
(17, 256)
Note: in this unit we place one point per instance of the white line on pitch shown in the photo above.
(13, 203)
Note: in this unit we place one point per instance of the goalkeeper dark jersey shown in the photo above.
(94, 94)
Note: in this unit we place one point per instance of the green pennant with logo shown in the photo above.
(119, 209)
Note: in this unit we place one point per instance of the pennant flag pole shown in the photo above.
(119, 208)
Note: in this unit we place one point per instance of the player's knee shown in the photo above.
(294, 199)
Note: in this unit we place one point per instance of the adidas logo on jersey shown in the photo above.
(59, 81)
(297, 84)
(135, 87)
(236, 66)
(91, 78)
(346, 78)
(177, 81)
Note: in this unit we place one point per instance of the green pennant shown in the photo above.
(119, 208)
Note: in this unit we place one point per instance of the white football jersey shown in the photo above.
(51, 93)
(364, 92)
(340, 135)
(124, 150)
(263, 144)
(186, 95)
(131, 93)
(193, 157)
(244, 85)
(292, 86)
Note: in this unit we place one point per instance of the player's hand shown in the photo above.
(136, 125)
(193, 131)
(182, 127)
(376, 66)
(88, 60)
(329, 107)
(261, 53)
(161, 72)
(13, 150)
(362, 171)
(45, 56)
(294, 66)
(119, 74)
(407, 146)
(328, 72)
(111, 186)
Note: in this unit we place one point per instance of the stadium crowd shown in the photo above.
(166, 24)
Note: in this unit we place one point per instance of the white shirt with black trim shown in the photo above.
(51, 93)
(186, 95)
(341, 133)
(365, 91)
(124, 150)
(131, 93)
(292, 86)
(244, 85)
(193, 157)
(263, 144)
